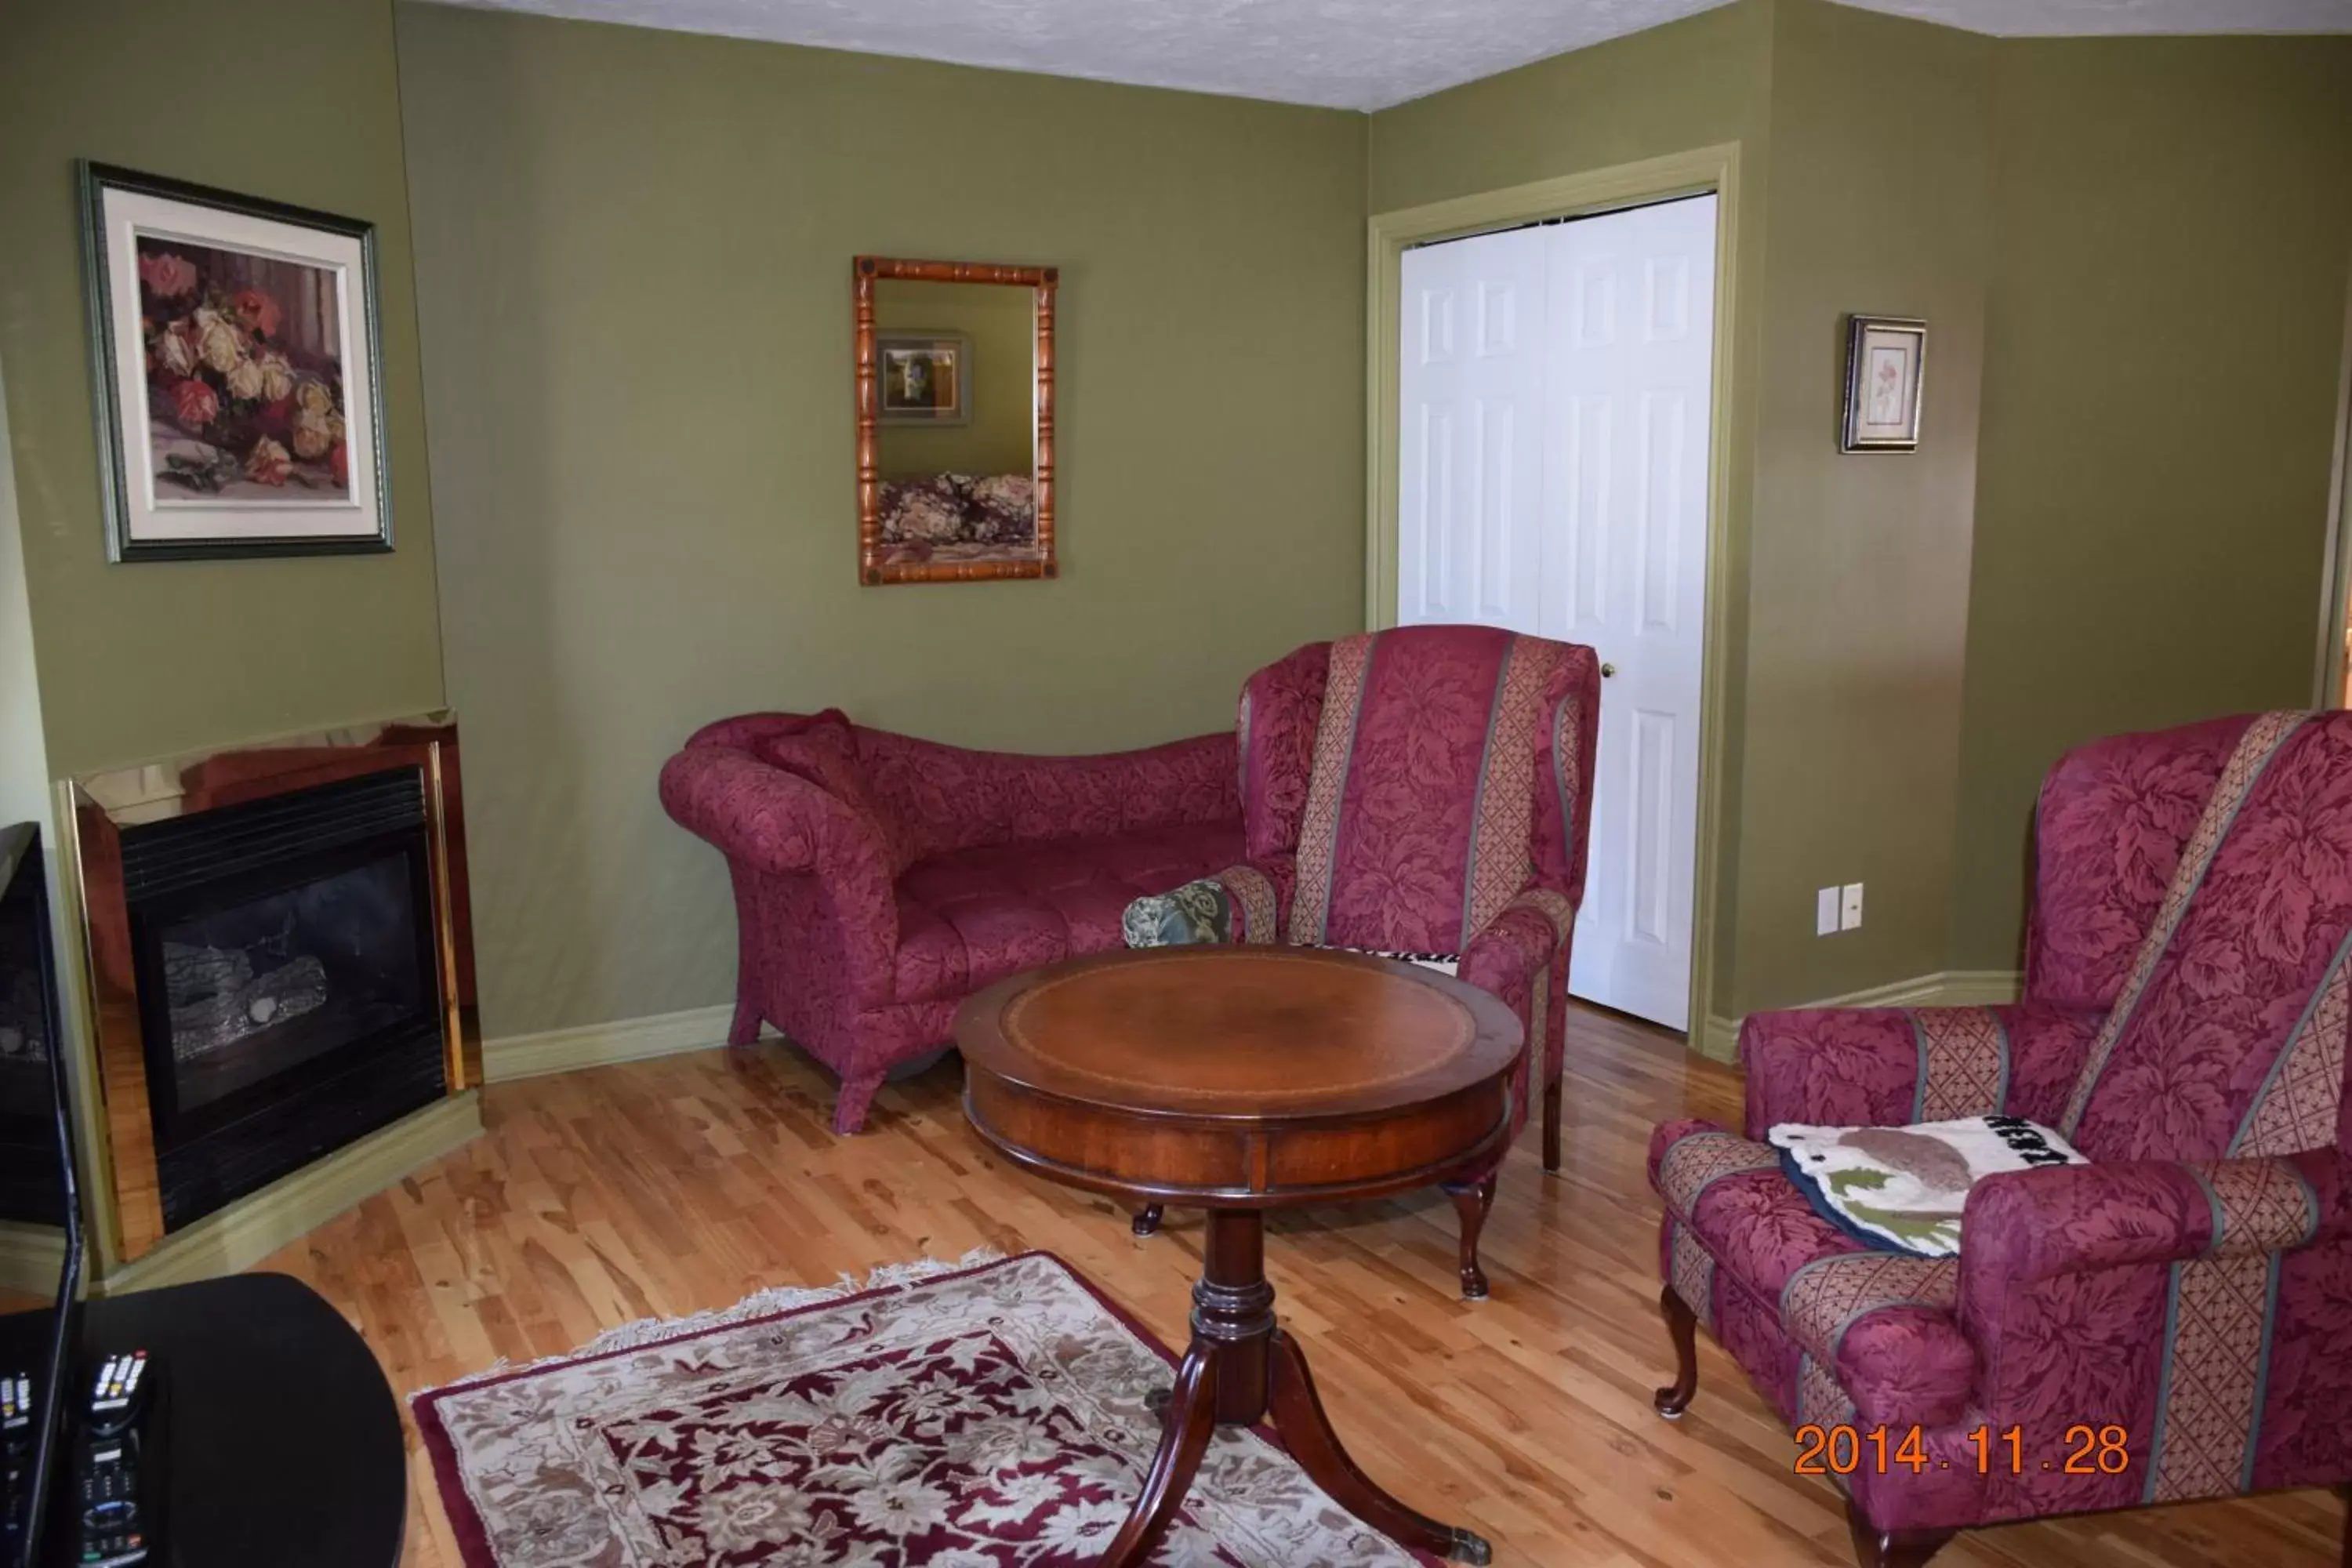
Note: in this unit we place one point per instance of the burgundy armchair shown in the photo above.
(2172, 1321)
(880, 879)
(1426, 790)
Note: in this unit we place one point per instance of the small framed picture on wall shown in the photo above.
(236, 358)
(1886, 362)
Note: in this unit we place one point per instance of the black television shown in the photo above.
(36, 1187)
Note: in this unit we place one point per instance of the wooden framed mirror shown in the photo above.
(955, 420)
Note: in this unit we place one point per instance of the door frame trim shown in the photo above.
(1700, 171)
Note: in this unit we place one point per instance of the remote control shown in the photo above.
(113, 1505)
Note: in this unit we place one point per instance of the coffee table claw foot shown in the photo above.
(1190, 1420)
(1146, 1219)
(1306, 1432)
(1470, 1547)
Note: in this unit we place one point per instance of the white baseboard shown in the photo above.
(1719, 1037)
(600, 1044)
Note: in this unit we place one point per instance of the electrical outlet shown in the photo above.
(1850, 906)
(1825, 912)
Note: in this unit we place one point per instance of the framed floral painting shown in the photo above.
(237, 370)
(1886, 365)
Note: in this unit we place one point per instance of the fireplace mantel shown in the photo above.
(213, 803)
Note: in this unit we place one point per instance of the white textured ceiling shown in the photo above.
(1341, 53)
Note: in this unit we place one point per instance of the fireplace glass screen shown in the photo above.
(259, 987)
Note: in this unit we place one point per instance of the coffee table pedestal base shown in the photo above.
(1241, 1368)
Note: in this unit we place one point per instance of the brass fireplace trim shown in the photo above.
(104, 804)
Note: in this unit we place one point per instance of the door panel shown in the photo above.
(1555, 480)
(1470, 485)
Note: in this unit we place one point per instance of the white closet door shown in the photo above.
(1629, 370)
(1471, 350)
(1552, 441)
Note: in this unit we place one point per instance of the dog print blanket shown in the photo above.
(1902, 1189)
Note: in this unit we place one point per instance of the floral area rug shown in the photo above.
(953, 1416)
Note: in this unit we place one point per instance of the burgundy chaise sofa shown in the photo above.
(880, 879)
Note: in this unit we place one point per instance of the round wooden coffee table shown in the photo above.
(1239, 1079)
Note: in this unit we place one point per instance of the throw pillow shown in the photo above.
(1199, 912)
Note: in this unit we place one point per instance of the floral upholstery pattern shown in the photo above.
(880, 879)
(1423, 789)
(1281, 707)
(2188, 998)
(1891, 1066)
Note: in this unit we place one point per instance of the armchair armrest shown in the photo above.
(2083, 1289)
(2026, 1226)
(1533, 930)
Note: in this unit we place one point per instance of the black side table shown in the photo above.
(284, 1445)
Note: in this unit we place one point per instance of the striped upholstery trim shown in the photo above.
(1690, 1270)
(2299, 1103)
(1697, 1162)
(1825, 1298)
(1566, 770)
(1254, 899)
(1502, 820)
(1538, 1019)
(1963, 1063)
(1822, 1401)
(2218, 1316)
(1241, 742)
(1327, 787)
(2259, 1205)
(2256, 747)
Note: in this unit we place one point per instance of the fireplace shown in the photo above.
(282, 953)
(279, 959)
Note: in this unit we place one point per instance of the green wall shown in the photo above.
(634, 256)
(2168, 294)
(295, 100)
(1001, 324)
(1691, 83)
(1858, 583)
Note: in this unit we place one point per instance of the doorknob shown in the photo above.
(1607, 670)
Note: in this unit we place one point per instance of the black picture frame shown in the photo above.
(95, 181)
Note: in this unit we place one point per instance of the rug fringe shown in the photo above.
(648, 1332)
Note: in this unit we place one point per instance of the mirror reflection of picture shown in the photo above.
(926, 380)
(1884, 362)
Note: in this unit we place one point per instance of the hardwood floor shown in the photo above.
(671, 1187)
